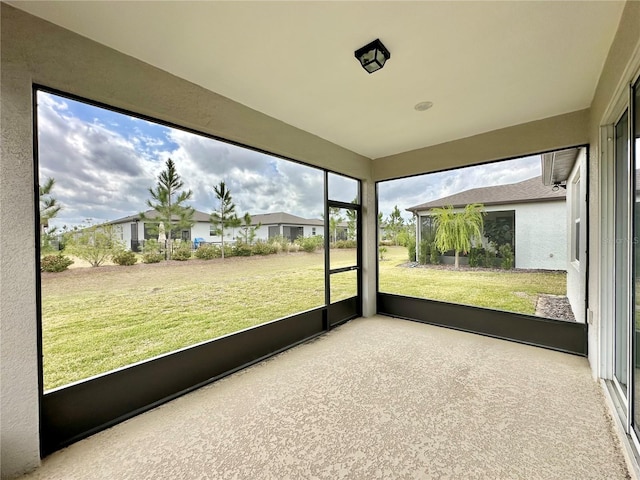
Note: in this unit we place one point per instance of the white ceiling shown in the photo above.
(484, 65)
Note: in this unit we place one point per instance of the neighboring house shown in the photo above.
(286, 225)
(567, 169)
(132, 230)
(534, 213)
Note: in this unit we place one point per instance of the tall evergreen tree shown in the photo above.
(248, 231)
(335, 219)
(395, 224)
(224, 217)
(352, 222)
(168, 202)
(49, 208)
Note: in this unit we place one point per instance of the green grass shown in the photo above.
(99, 319)
(511, 290)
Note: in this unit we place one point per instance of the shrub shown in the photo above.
(434, 255)
(294, 247)
(489, 258)
(309, 244)
(424, 254)
(281, 242)
(181, 254)
(125, 258)
(344, 244)
(208, 252)
(229, 251)
(476, 257)
(152, 257)
(381, 252)
(411, 248)
(95, 244)
(151, 246)
(507, 256)
(55, 263)
(264, 248)
(243, 249)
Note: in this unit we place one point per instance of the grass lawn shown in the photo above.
(511, 290)
(98, 319)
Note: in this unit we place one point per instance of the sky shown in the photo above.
(104, 163)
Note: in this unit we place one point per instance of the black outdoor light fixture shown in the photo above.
(373, 56)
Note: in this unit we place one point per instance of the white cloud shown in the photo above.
(103, 171)
(104, 167)
(408, 192)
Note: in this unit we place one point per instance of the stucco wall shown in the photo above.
(541, 236)
(37, 52)
(576, 268)
(552, 133)
(621, 65)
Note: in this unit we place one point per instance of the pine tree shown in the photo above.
(395, 224)
(168, 202)
(48, 205)
(224, 216)
(247, 231)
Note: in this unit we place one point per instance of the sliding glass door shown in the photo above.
(622, 253)
(626, 331)
(635, 312)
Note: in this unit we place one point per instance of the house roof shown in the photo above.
(280, 218)
(198, 216)
(527, 191)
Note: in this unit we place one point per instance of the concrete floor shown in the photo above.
(375, 398)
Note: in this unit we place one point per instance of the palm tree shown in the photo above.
(456, 230)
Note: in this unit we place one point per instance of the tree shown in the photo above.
(49, 208)
(395, 224)
(381, 226)
(224, 216)
(352, 222)
(248, 231)
(168, 202)
(456, 230)
(335, 219)
(96, 243)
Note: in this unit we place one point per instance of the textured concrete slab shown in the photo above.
(375, 398)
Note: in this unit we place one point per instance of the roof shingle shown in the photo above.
(527, 191)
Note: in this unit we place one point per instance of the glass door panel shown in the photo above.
(344, 285)
(343, 237)
(622, 234)
(635, 159)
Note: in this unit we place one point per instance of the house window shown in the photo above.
(575, 219)
(150, 231)
(274, 231)
(313, 231)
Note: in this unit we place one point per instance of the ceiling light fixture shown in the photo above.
(373, 56)
(422, 106)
